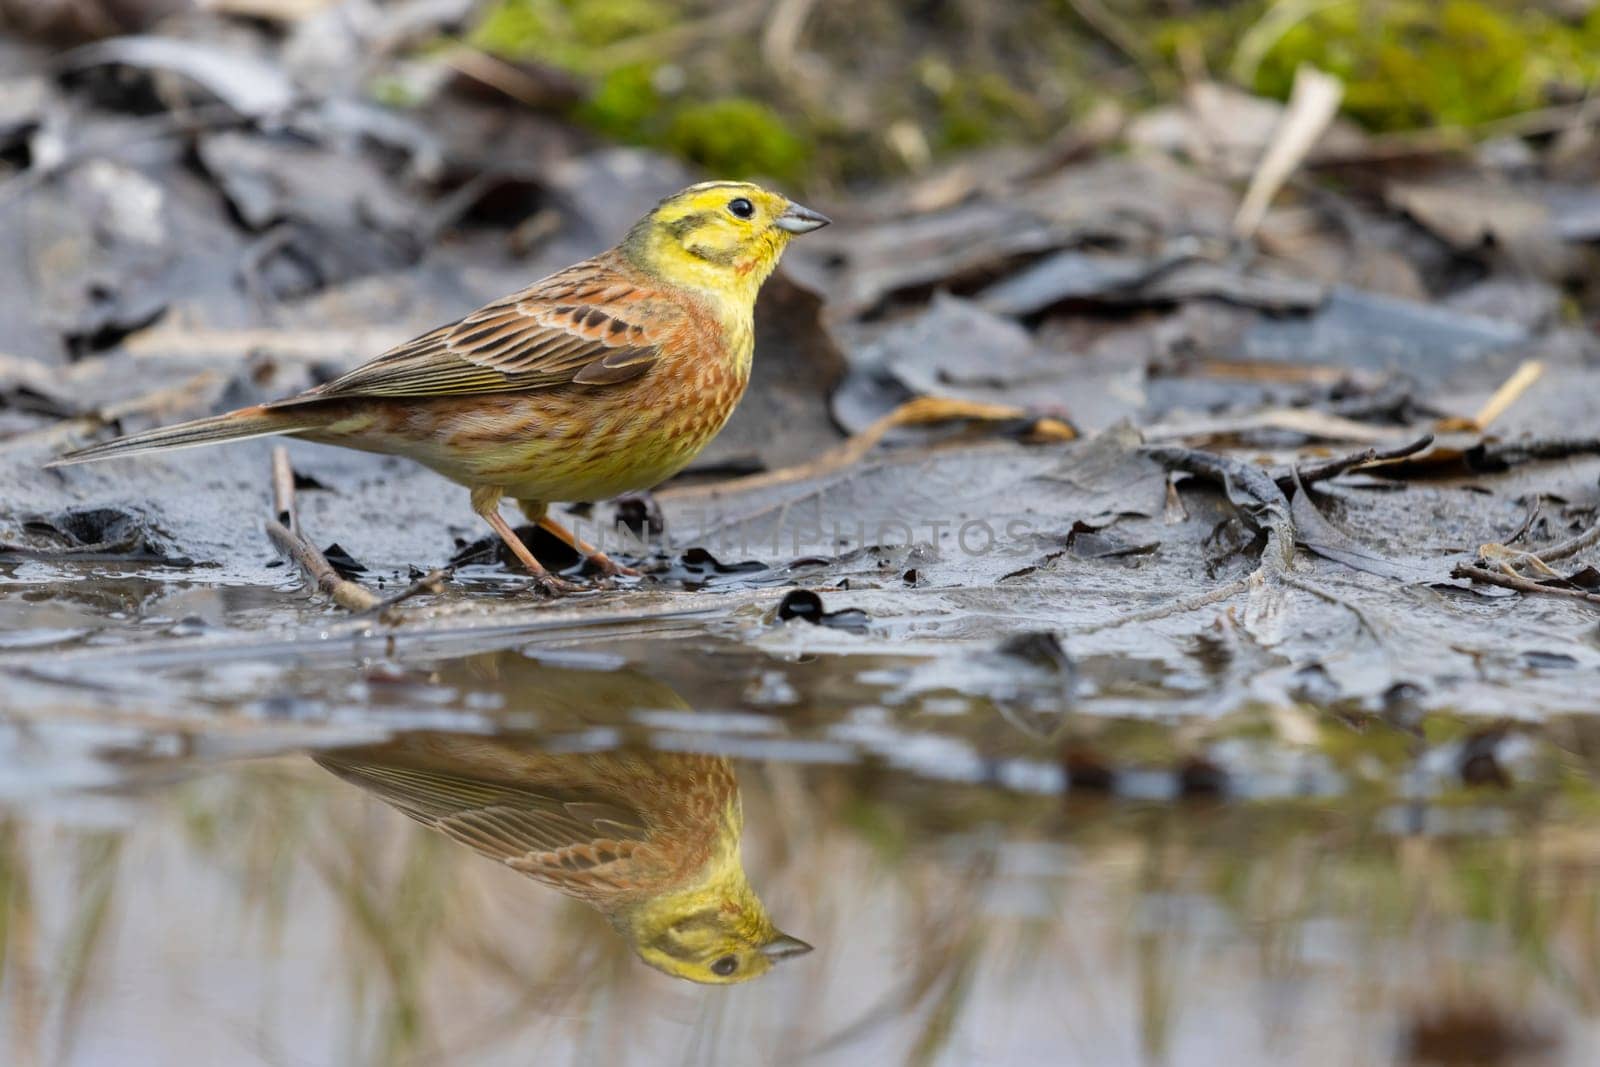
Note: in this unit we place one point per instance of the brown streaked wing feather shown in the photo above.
(586, 325)
(533, 831)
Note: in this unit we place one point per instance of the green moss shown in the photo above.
(677, 75)
(598, 23)
(979, 108)
(1410, 63)
(727, 134)
(624, 103)
(572, 34)
(684, 76)
(513, 28)
(1211, 35)
(736, 136)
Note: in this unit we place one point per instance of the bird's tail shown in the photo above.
(258, 421)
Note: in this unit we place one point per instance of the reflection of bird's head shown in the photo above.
(650, 839)
(716, 931)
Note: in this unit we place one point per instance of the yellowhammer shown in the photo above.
(650, 839)
(604, 378)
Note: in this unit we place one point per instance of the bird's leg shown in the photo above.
(605, 563)
(486, 502)
(537, 514)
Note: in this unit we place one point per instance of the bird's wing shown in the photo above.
(589, 324)
(534, 831)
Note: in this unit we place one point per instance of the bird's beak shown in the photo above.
(783, 946)
(800, 219)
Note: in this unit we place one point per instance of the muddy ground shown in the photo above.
(192, 228)
(1223, 454)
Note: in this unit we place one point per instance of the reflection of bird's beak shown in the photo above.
(801, 220)
(783, 946)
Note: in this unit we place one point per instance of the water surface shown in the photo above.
(1030, 868)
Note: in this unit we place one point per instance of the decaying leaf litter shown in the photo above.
(1234, 398)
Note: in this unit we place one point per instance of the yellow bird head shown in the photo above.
(716, 932)
(722, 238)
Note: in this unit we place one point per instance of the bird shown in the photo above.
(648, 838)
(602, 379)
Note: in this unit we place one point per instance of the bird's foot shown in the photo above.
(610, 568)
(553, 587)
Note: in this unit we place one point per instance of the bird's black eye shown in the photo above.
(727, 964)
(743, 209)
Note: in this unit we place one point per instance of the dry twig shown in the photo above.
(1511, 453)
(1313, 102)
(1509, 393)
(431, 583)
(1509, 559)
(1520, 584)
(1321, 472)
(1572, 545)
(284, 529)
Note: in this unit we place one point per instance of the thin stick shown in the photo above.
(283, 490)
(430, 583)
(284, 529)
(1571, 546)
(1321, 472)
(1528, 521)
(1508, 393)
(314, 565)
(501, 76)
(1519, 583)
(1512, 453)
(1313, 102)
(1540, 562)
(1509, 559)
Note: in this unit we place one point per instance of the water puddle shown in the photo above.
(467, 853)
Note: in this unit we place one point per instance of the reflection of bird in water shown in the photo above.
(651, 839)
